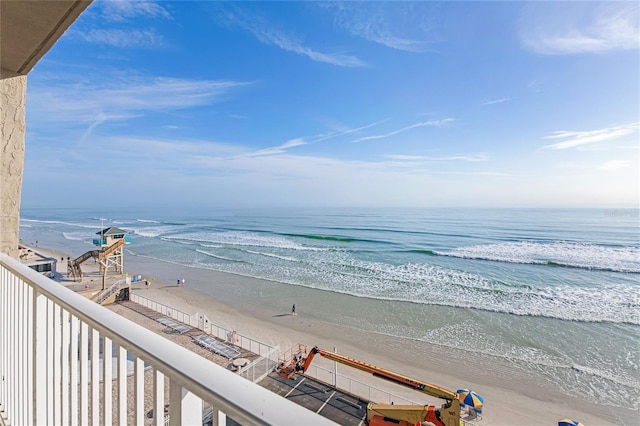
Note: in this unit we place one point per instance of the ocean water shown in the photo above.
(554, 294)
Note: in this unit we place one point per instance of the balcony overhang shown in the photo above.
(29, 28)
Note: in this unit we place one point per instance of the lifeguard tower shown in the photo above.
(111, 243)
(111, 253)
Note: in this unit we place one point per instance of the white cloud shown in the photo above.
(110, 24)
(72, 99)
(280, 149)
(237, 116)
(372, 32)
(120, 38)
(438, 123)
(471, 157)
(382, 22)
(614, 165)
(561, 28)
(123, 10)
(267, 34)
(575, 139)
(496, 101)
(346, 131)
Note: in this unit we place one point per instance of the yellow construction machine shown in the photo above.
(298, 360)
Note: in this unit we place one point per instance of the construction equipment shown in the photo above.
(297, 360)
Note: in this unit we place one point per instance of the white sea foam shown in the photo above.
(148, 221)
(239, 238)
(435, 285)
(218, 256)
(154, 231)
(275, 256)
(562, 253)
(611, 380)
(77, 236)
(58, 222)
(622, 381)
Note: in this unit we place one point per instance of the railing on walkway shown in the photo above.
(201, 322)
(52, 343)
(261, 367)
(254, 371)
(104, 294)
(356, 387)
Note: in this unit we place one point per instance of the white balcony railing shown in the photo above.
(56, 351)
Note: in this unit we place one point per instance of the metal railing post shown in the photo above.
(185, 408)
(39, 357)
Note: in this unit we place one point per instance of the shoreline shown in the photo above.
(509, 399)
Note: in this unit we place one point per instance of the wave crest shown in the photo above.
(559, 253)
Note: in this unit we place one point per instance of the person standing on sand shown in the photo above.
(293, 309)
(183, 282)
(178, 282)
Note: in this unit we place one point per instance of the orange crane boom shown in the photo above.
(448, 415)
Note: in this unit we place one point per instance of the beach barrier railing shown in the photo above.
(104, 294)
(52, 341)
(261, 367)
(202, 323)
(356, 387)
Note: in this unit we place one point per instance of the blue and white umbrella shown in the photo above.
(569, 422)
(470, 398)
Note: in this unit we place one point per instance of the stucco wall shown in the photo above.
(12, 127)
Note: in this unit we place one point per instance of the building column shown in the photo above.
(12, 127)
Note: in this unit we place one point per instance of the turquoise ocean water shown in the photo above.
(554, 294)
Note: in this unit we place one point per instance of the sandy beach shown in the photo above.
(510, 399)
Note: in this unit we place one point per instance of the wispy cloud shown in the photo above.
(388, 40)
(123, 10)
(496, 101)
(266, 33)
(111, 24)
(280, 149)
(382, 22)
(437, 123)
(120, 38)
(562, 28)
(470, 158)
(72, 101)
(614, 165)
(346, 132)
(237, 116)
(575, 139)
(162, 149)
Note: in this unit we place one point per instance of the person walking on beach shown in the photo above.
(293, 309)
(178, 282)
(183, 282)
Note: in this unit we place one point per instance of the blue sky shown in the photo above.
(282, 104)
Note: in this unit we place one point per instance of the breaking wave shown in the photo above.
(559, 253)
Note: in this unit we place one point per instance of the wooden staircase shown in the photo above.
(73, 265)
